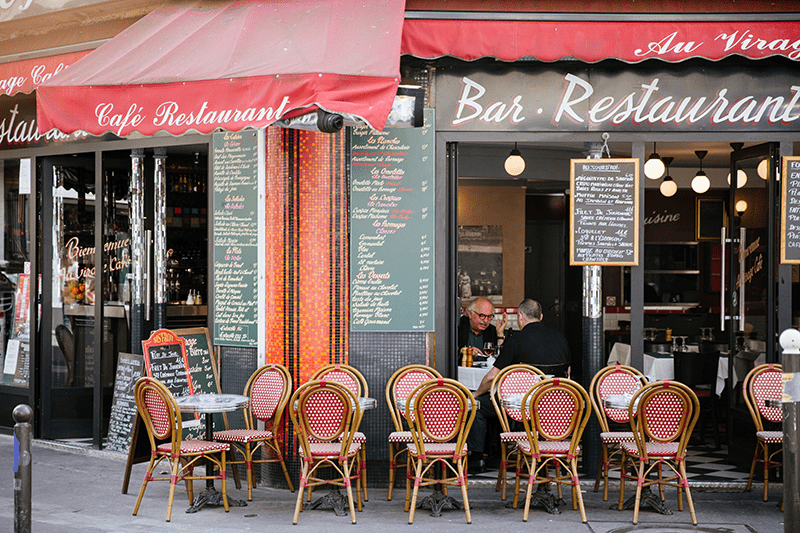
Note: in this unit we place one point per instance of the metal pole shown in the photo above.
(790, 342)
(138, 247)
(592, 340)
(22, 468)
(160, 241)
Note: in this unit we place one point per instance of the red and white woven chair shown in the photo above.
(161, 417)
(398, 389)
(441, 412)
(762, 383)
(513, 379)
(615, 380)
(559, 410)
(268, 388)
(325, 416)
(354, 380)
(662, 417)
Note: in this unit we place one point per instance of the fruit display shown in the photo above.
(74, 291)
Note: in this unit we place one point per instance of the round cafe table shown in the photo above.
(210, 404)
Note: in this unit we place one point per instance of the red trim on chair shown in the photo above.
(640, 482)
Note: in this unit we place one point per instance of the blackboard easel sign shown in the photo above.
(604, 212)
(165, 360)
(130, 367)
(790, 211)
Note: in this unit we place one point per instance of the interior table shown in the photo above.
(210, 404)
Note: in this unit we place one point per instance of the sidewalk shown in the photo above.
(80, 491)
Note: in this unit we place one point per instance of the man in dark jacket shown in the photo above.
(475, 327)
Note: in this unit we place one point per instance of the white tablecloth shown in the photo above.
(663, 368)
(471, 377)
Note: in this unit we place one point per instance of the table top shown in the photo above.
(211, 403)
(774, 402)
(618, 401)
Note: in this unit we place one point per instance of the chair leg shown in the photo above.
(144, 485)
(623, 474)
(501, 473)
(639, 481)
(363, 472)
(231, 461)
(286, 475)
(248, 462)
(408, 482)
(417, 479)
(175, 468)
(223, 473)
(303, 480)
(766, 471)
(753, 467)
(577, 486)
(346, 469)
(528, 489)
(464, 489)
(685, 482)
(517, 475)
(392, 469)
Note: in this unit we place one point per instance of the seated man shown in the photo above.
(475, 327)
(536, 345)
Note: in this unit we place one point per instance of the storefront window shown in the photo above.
(15, 179)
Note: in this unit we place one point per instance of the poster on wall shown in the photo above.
(391, 228)
(480, 263)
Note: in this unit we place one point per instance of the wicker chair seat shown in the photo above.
(772, 437)
(548, 447)
(653, 449)
(615, 437)
(438, 448)
(242, 436)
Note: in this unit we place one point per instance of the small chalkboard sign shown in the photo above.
(604, 207)
(790, 212)
(130, 368)
(201, 359)
(165, 360)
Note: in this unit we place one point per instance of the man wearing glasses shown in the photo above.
(475, 328)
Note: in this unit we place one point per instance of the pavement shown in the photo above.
(79, 490)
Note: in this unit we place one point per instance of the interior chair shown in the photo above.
(325, 416)
(698, 371)
(662, 417)
(558, 412)
(398, 388)
(355, 381)
(610, 381)
(441, 412)
(66, 343)
(762, 383)
(162, 418)
(513, 379)
(268, 388)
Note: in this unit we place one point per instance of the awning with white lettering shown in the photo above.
(24, 76)
(206, 65)
(593, 41)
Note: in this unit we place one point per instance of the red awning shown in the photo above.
(629, 41)
(248, 63)
(24, 76)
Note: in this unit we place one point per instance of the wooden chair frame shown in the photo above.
(441, 415)
(325, 416)
(400, 385)
(268, 409)
(162, 418)
(505, 383)
(753, 389)
(546, 435)
(354, 380)
(660, 440)
(627, 380)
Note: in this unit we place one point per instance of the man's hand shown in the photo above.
(501, 326)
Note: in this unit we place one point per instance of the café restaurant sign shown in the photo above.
(652, 97)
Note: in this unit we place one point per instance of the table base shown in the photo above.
(333, 500)
(648, 498)
(211, 496)
(545, 498)
(437, 502)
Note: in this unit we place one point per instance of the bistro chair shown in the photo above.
(357, 384)
(698, 371)
(441, 412)
(268, 388)
(513, 379)
(559, 410)
(762, 383)
(662, 417)
(613, 380)
(398, 389)
(325, 416)
(162, 418)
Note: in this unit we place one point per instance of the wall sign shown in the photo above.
(391, 228)
(604, 212)
(790, 211)
(235, 238)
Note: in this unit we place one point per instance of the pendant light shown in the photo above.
(741, 175)
(700, 182)
(654, 167)
(514, 163)
(763, 169)
(668, 187)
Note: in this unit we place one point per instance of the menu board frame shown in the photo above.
(628, 195)
(790, 255)
(164, 339)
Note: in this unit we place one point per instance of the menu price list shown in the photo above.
(392, 224)
(604, 202)
(235, 160)
(790, 236)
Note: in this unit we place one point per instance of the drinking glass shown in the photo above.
(490, 348)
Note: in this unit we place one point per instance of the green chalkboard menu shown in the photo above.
(391, 228)
(604, 212)
(790, 218)
(130, 368)
(165, 360)
(201, 358)
(235, 186)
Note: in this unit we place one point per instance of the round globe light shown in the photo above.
(514, 164)
(654, 167)
(763, 169)
(741, 178)
(668, 187)
(700, 183)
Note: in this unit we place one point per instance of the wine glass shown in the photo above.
(490, 348)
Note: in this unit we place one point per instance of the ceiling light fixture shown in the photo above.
(668, 187)
(741, 176)
(741, 207)
(514, 163)
(654, 167)
(763, 169)
(700, 182)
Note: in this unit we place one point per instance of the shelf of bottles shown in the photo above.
(187, 233)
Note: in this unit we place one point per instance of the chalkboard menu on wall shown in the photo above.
(604, 212)
(130, 368)
(235, 185)
(391, 233)
(790, 202)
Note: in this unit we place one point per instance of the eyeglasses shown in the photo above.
(483, 317)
